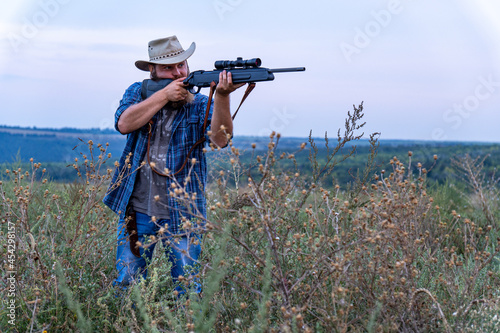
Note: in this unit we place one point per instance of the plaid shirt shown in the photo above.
(187, 128)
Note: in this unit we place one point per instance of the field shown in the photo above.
(332, 236)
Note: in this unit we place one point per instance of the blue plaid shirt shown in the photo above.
(187, 129)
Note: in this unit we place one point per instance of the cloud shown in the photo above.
(420, 60)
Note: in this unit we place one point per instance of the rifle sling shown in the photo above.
(131, 231)
(245, 95)
(202, 139)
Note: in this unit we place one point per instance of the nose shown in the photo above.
(176, 72)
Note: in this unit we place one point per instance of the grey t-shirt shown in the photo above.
(148, 184)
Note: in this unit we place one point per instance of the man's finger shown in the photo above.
(222, 77)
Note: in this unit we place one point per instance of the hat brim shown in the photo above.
(143, 65)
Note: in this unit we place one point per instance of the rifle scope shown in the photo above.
(239, 62)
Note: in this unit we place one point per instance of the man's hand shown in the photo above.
(226, 85)
(176, 90)
(222, 123)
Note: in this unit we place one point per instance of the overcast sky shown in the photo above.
(426, 70)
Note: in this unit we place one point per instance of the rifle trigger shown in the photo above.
(193, 91)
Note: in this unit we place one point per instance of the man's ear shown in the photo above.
(152, 71)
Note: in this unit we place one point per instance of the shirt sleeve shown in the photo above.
(131, 96)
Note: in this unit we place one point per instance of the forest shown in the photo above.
(57, 148)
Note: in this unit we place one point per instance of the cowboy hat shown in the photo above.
(165, 51)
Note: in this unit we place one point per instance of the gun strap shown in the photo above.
(205, 125)
(131, 231)
(245, 95)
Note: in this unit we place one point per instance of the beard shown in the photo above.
(174, 105)
(179, 104)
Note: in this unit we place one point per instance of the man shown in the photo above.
(148, 188)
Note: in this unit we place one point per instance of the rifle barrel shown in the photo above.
(290, 69)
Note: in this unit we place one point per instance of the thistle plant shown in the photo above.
(283, 250)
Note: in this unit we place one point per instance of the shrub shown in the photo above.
(282, 252)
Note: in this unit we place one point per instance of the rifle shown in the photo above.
(242, 71)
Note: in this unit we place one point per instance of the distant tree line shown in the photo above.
(56, 152)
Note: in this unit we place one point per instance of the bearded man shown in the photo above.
(163, 133)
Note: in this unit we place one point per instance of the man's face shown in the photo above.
(173, 72)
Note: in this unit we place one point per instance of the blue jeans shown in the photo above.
(181, 250)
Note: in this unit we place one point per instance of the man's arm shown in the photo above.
(138, 115)
(222, 122)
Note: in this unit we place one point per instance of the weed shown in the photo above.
(282, 251)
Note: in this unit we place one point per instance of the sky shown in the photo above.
(424, 70)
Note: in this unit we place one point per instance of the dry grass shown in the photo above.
(282, 252)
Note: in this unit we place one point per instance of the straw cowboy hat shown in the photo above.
(165, 51)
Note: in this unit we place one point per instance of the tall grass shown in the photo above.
(282, 252)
